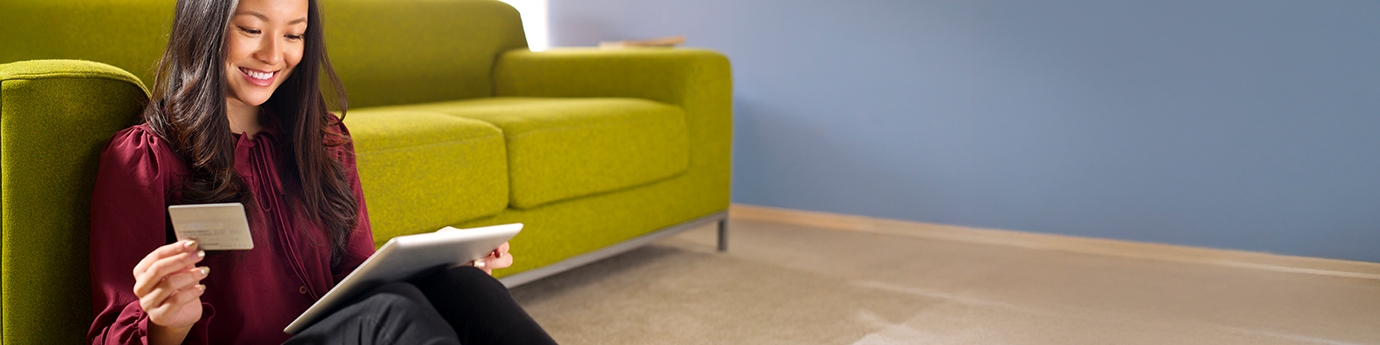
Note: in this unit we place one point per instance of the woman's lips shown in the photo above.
(259, 78)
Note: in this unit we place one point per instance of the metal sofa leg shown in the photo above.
(723, 235)
(528, 276)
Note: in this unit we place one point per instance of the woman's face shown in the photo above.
(265, 41)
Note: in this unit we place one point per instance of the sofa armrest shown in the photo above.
(675, 76)
(55, 118)
(66, 69)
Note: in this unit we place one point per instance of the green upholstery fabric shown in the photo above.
(402, 52)
(426, 170)
(126, 34)
(55, 118)
(697, 81)
(561, 230)
(672, 76)
(562, 148)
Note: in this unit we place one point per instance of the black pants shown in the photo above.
(461, 305)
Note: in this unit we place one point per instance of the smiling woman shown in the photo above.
(237, 116)
(260, 53)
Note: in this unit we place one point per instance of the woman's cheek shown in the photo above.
(295, 56)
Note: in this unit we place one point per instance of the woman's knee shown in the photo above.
(461, 277)
(405, 313)
(395, 313)
(396, 297)
(400, 289)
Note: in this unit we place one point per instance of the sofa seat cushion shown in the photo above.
(422, 171)
(563, 148)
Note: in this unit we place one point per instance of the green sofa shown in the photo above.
(455, 121)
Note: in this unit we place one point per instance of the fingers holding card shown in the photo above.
(213, 226)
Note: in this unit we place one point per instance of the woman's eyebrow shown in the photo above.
(261, 16)
(252, 13)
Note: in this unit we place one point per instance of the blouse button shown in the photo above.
(302, 290)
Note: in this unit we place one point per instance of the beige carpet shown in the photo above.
(785, 284)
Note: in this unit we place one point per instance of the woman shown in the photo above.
(237, 115)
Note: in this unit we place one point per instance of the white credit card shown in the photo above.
(213, 226)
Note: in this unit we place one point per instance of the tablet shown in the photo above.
(405, 257)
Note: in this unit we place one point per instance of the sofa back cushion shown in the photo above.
(125, 34)
(402, 52)
(386, 51)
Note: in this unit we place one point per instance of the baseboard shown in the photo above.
(1222, 257)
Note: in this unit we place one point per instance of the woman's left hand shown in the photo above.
(498, 259)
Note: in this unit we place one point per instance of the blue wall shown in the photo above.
(1248, 125)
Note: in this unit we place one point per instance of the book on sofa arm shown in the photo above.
(405, 257)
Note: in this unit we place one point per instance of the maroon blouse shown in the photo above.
(250, 295)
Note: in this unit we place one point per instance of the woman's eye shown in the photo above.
(294, 37)
(249, 31)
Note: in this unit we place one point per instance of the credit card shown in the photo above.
(213, 226)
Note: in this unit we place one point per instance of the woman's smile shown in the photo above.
(257, 77)
(264, 41)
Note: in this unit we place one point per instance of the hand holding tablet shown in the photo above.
(408, 256)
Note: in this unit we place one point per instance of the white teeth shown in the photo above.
(258, 75)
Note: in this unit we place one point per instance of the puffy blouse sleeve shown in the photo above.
(128, 221)
(361, 243)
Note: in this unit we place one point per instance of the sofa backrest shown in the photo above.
(402, 52)
(125, 34)
(386, 51)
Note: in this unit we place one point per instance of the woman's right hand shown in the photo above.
(168, 285)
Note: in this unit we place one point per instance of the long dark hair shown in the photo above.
(187, 110)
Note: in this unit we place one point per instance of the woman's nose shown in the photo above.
(270, 51)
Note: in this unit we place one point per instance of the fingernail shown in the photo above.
(205, 270)
(201, 287)
(201, 253)
(190, 244)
